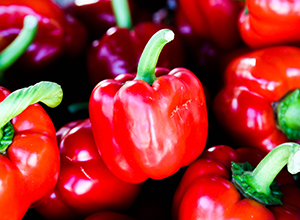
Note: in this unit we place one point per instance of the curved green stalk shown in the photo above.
(48, 93)
(13, 51)
(150, 55)
(259, 183)
(122, 13)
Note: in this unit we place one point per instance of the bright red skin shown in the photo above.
(214, 22)
(119, 50)
(270, 23)
(145, 131)
(109, 216)
(244, 105)
(85, 185)
(206, 191)
(30, 168)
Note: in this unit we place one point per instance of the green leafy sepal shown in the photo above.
(241, 173)
(8, 134)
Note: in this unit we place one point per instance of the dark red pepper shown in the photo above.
(98, 16)
(119, 50)
(215, 22)
(9, 54)
(204, 55)
(76, 38)
(52, 36)
(85, 184)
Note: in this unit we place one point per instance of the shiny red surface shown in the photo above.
(270, 23)
(252, 83)
(119, 51)
(85, 184)
(214, 21)
(147, 131)
(30, 167)
(49, 41)
(206, 191)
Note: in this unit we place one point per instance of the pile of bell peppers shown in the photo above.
(137, 110)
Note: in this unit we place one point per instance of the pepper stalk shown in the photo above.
(20, 44)
(150, 55)
(122, 13)
(259, 184)
(48, 93)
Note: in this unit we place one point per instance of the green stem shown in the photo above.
(256, 184)
(122, 13)
(79, 106)
(288, 115)
(150, 55)
(266, 171)
(13, 51)
(48, 93)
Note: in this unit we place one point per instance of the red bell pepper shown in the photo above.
(210, 190)
(252, 106)
(29, 159)
(216, 22)
(149, 124)
(270, 23)
(85, 184)
(119, 50)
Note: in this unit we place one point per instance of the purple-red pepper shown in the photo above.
(119, 50)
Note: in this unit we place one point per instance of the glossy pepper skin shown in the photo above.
(98, 16)
(30, 166)
(270, 23)
(55, 36)
(253, 83)
(119, 51)
(206, 190)
(50, 37)
(85, 184)
(145, 131)
(213, 22)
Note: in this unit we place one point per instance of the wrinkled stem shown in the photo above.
(48, 93)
